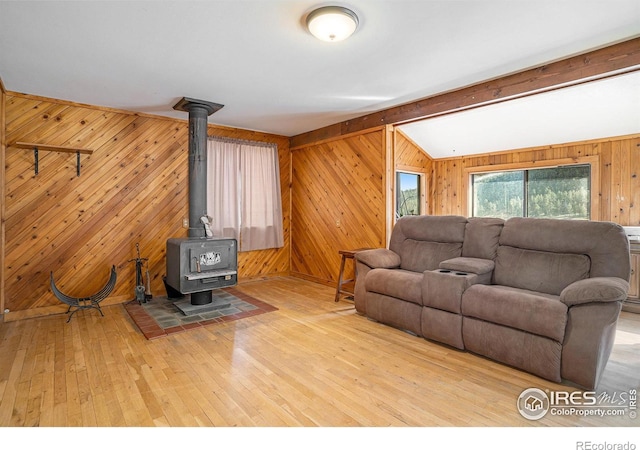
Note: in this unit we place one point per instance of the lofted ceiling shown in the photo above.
(603, 108)
(257, 58)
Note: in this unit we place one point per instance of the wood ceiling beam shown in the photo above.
(570, 71)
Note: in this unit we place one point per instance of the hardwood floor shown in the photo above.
(312, 363)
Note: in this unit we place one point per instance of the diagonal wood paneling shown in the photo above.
(408, 153)
(132, 189)
(338, 202)
(411, 157)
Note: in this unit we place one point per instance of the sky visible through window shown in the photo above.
(407, 194)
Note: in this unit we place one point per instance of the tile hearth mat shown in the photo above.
(162, 316)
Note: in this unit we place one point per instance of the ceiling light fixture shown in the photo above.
(332, 23)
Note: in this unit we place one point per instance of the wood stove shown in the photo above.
(199, 263)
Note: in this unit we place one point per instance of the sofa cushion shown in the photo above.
(481, 237)
(546, 272)
(544, 315)
(424, 241)
(402, 284)
(604, 242)
(419, 256)
(427, 228)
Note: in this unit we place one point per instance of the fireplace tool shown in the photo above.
(142, 292)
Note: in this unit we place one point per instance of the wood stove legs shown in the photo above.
(201, 298)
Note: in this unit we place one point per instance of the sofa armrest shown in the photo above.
(379, 258)
(469, 265)
(597, 289)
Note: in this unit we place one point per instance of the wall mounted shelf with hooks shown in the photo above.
(52, 148)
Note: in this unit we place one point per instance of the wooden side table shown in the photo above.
(344, 285)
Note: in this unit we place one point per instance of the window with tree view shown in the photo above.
(557, 192)
(407, 194)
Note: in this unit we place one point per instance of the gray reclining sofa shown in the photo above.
(542, 295)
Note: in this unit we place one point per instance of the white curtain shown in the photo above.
(223, 179)
(244, 193)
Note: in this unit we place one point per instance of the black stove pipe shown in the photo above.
(198, 111)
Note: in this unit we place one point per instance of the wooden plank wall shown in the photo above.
(338, 202)
(409, 156)
(132, 189)
(2, 209)
(333, 180)
(619, 188)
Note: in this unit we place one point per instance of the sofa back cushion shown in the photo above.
(423, 242)
(539, 271)
(481, 237)
(604, 243)
(419, 256)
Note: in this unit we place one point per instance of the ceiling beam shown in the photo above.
(570, 71)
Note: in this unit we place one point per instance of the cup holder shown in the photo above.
(453, 272)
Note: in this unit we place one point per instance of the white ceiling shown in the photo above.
(603, 108)
(257, 59)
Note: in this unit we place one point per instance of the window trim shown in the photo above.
(418, 187)
(423, 200)
(593, 161)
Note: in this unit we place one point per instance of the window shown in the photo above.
(244, 198)
(556, 192)
(408, 194)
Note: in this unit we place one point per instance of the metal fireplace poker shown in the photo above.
(200, 263)
(142, 291)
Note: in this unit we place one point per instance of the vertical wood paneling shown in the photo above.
(338, 202)
(634, 182)
(448, 185)
(619, 183)
(132, 189)
(606, 180)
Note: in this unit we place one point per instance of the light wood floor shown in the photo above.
(313, 362)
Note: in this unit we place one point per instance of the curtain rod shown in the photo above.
(243, 141)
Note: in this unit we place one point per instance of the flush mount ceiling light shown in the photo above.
(332, 23)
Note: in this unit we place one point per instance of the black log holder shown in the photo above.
(91, 302)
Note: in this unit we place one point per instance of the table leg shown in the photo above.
(340, 276)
